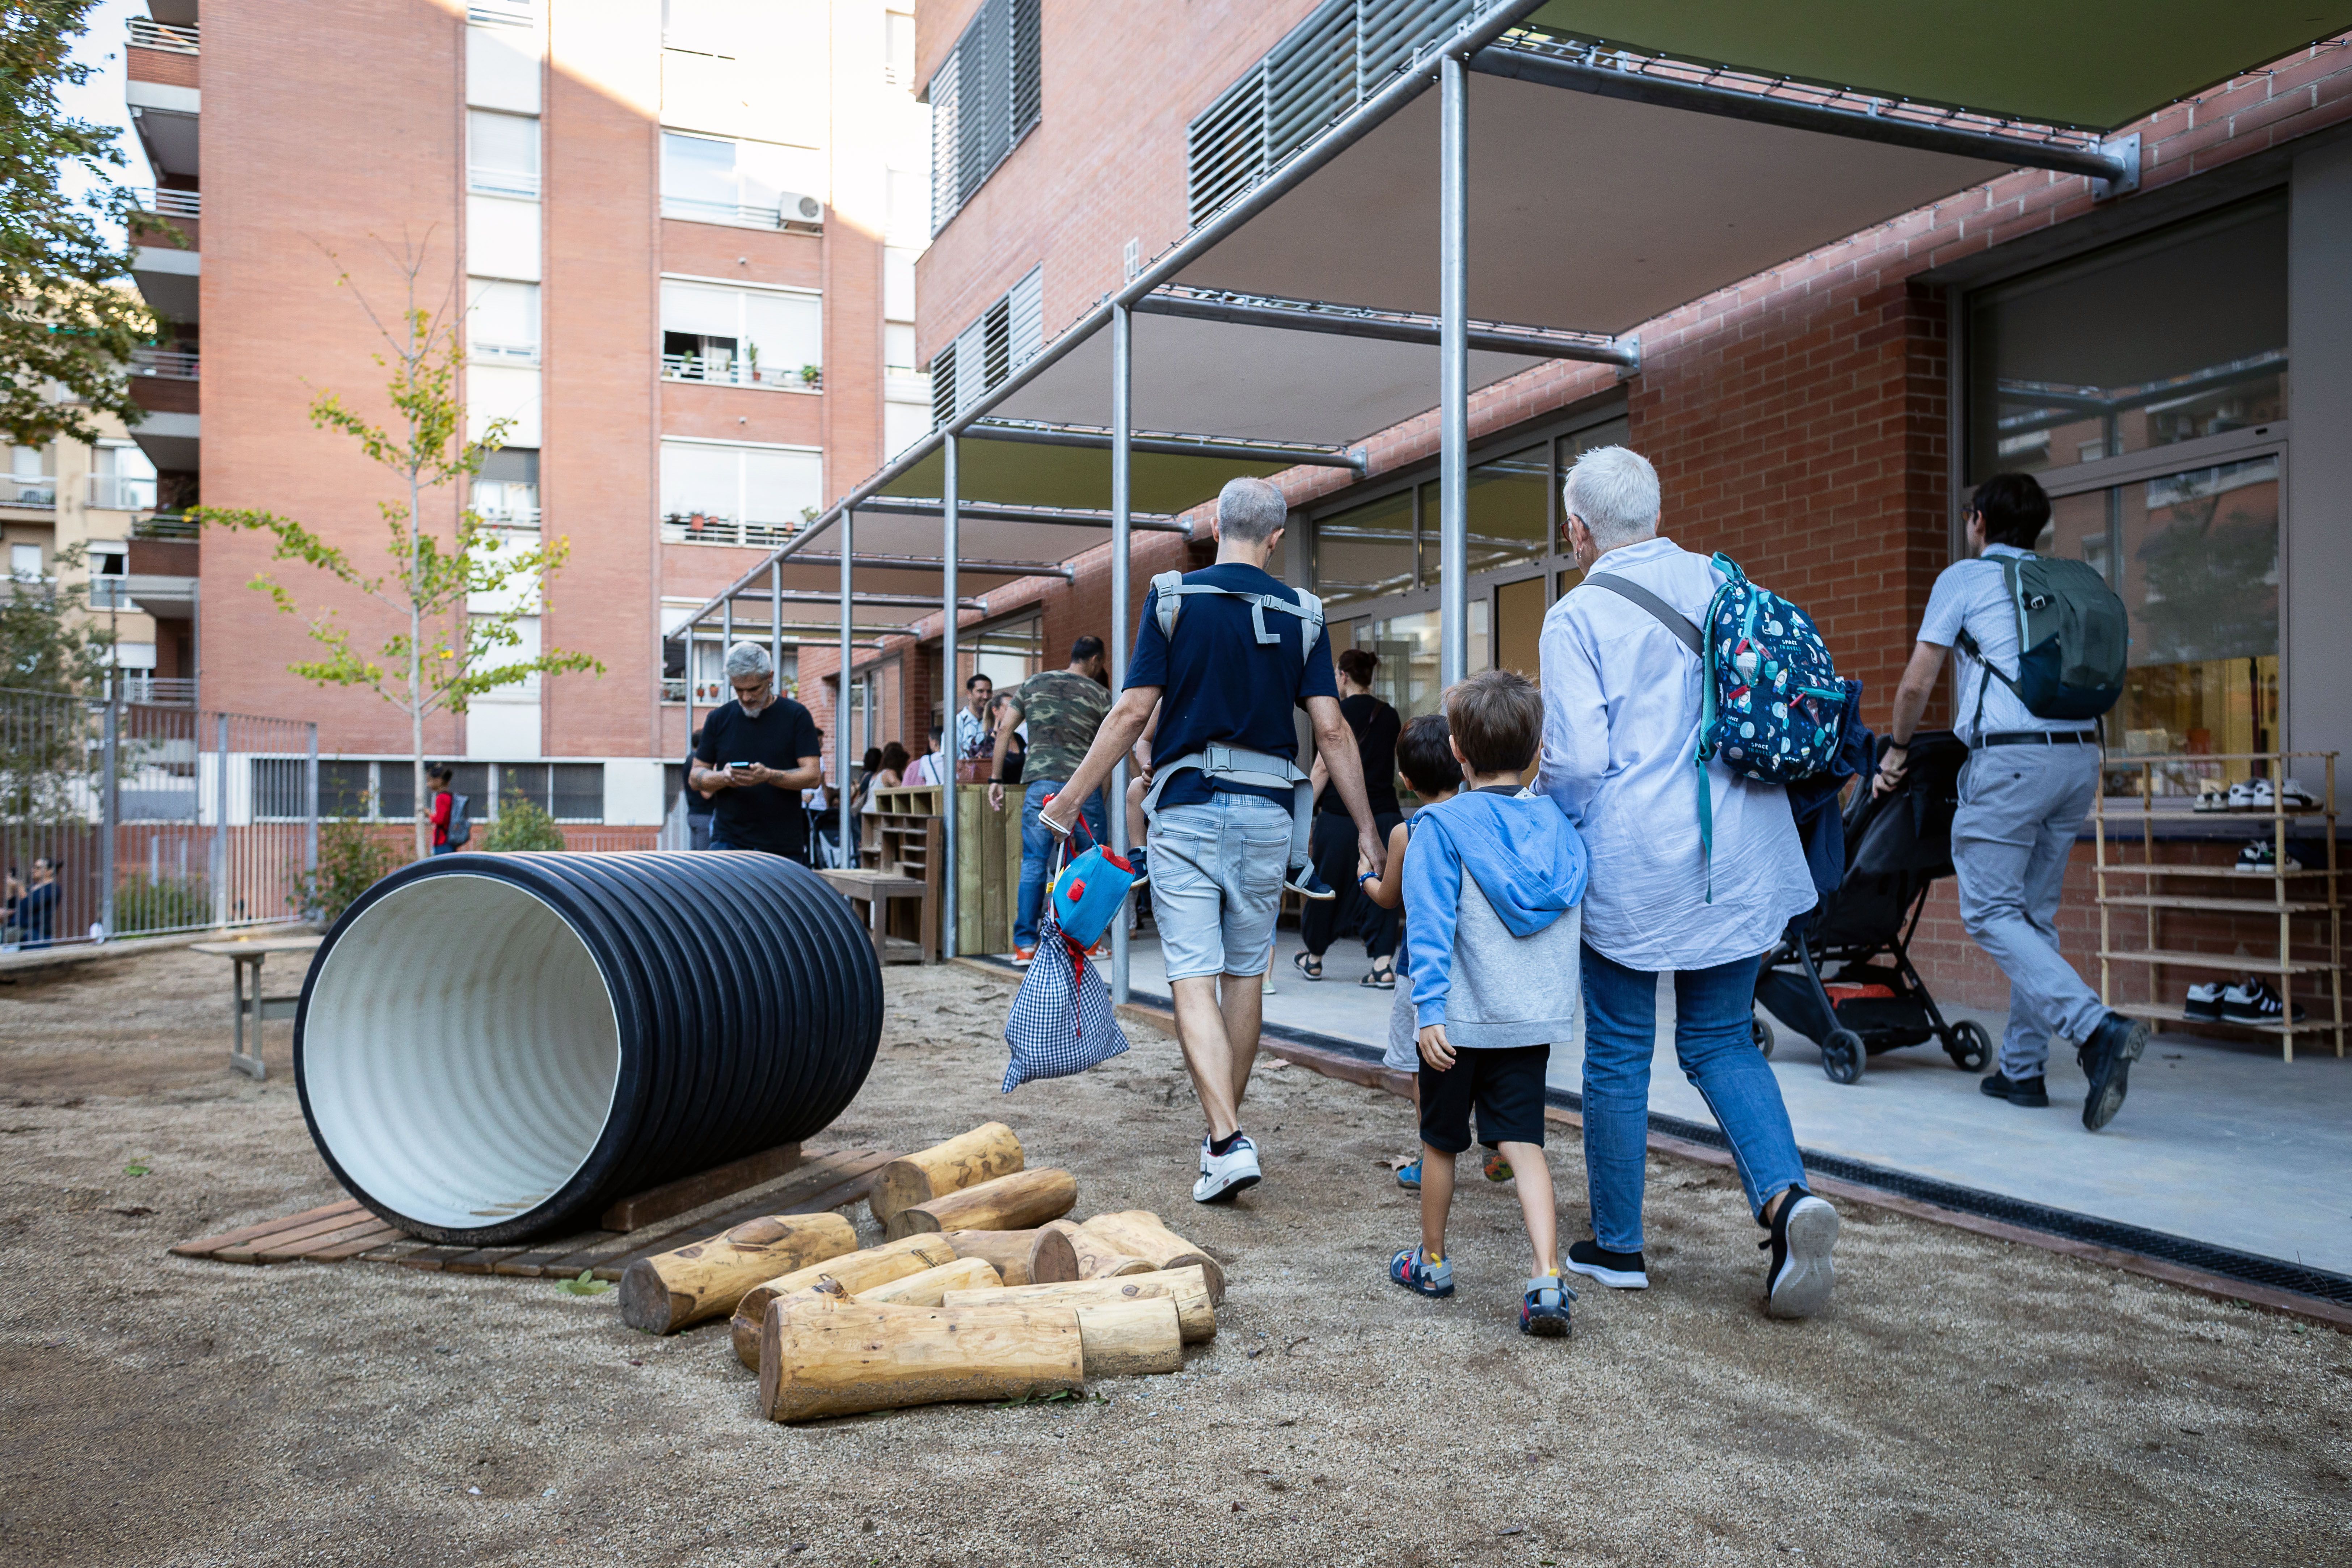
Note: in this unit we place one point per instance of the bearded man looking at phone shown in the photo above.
(758, 754)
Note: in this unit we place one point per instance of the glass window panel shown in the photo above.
(1407, 678)
(343, 788)
(1614, 433)
(2195, 556)
(576, 791)
(527, 780)
(502, 151)
(279, 787)
(2163, 339)
(1365, 553)
(395, 798)
(501, 319)
(1510, 512)
(698, 169)
(780, 486)
(701, 481)
(786, 329)
(471, 780)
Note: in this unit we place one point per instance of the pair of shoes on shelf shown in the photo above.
(2260, 795)
(2249, 1001)
(2259, 858)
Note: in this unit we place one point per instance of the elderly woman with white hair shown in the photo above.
(757, 752)
(1622, 688)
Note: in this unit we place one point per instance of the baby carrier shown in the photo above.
(1239, 763)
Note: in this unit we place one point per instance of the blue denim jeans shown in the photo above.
(1037, 852)
(1713, 1009)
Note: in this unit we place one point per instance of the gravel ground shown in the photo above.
(1965, 1402)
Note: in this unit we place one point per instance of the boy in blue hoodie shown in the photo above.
(1492, 880)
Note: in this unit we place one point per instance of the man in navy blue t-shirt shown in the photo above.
(1219, 845)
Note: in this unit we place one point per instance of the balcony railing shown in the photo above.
(149, 34)
(165, 525)
(726, 372)
(673, 688)
(502, 354)
(165, 690)
(169, 204)
(127, 492)
(28, 489)
(703, 528)
(172, 364)
(109, 594)
(509, 516)
(802, 212)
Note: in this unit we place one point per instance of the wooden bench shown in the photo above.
(876, 889)
(247, 1004)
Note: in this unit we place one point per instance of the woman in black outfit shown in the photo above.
(1376, 726)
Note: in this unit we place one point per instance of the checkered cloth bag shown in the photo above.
(1061, 1021)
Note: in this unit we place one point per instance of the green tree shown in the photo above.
(46, 642)
(444, 655)
(66, 319)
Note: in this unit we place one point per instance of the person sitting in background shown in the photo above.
(36, 914)
(863, 790)
(931, 767)
(1491, 886)
(891, 772)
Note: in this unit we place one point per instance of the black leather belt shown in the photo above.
(2042, 738)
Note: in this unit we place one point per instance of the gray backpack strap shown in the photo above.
(1246, 766)
(1673, 620)
(1167, 591)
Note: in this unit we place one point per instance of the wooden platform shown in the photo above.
(339, 1232)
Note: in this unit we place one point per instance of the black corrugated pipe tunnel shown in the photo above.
(491, 1046)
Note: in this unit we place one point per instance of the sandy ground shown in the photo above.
(1966, 1401)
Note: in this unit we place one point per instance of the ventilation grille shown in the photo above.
(1324, 68)
(1007, 336)
(985, 96)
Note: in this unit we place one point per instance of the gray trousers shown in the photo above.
(2020, 807)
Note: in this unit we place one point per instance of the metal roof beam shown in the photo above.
(935, 563)
(883, 601)
(1389, 326)
(1002, 511)
(1038, 432)
(1893, 122)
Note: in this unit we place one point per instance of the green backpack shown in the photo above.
(2074, 635)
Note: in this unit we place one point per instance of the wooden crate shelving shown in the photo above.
(2143, 891)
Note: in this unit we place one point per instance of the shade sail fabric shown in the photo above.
(1586, 213)
(1214, 378)
(1024, 474)
(2098, 64)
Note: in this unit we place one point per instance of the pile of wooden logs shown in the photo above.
(984, 1290)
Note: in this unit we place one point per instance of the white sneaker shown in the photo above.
(1222, 1175)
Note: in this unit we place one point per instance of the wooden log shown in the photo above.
(1007, 1251)
(987, 1152)
(856, 1271)
(924, 1289)
(1123, 1339)
(1065, 1251)
(706, 1278)
(1196, 1317)
(1017, 1202)
(821, 1358)
(1140, 1234)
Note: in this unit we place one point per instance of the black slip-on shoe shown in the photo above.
(2106, 1058)
(2030, 1091)
(1618, 1270)
(1803, 1233)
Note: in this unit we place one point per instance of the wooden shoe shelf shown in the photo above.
(2136, 894)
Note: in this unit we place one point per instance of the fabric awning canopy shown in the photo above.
(2098, 64)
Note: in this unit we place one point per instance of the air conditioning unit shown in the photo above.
(798, 208)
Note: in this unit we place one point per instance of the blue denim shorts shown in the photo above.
(1216, 884)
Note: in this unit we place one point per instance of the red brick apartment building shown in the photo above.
(1820, 420)
(681, 235)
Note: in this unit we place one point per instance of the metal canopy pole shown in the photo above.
(840, 705)
(776, 623)
(951, 610)
(1454, 373)
(1122, 462)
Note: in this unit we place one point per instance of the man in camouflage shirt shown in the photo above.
(1063, 708)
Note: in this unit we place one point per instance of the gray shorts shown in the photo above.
(1217, 883)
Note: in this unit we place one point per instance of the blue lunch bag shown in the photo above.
(1087, 893)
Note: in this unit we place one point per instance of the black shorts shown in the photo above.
(1507, 1086)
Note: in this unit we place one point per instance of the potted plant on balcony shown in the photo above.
(812, 375)
(750, 363)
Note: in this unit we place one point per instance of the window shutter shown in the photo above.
(1028, 90)
(943, 386)
(946, 107)
(985, 96)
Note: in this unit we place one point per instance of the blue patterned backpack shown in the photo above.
(1773, 706)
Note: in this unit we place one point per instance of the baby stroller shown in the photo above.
(1843, 975)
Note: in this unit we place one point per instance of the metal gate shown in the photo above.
(125, 819)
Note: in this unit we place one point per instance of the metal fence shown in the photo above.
(124, 818)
